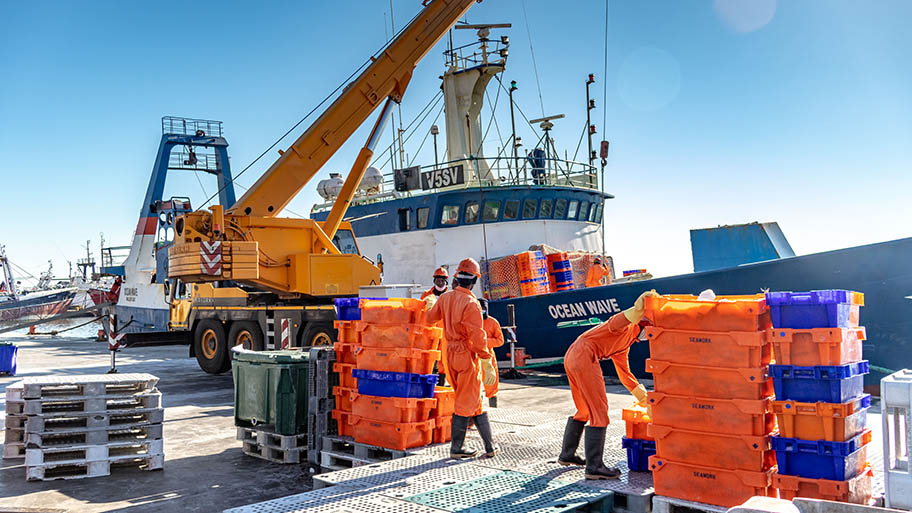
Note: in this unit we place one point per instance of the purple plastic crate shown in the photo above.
(814, 309)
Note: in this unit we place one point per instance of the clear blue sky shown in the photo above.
(718, 112)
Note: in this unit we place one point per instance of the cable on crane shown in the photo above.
(426, 134)
(534, 66)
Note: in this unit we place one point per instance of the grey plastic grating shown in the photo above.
(382, 472)
(512, 492)
(336, 499)
(630, 483)
(521, 417)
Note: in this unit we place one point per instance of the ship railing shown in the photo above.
(190, 126)
(477, 53)
(114, 255)
(198, 161)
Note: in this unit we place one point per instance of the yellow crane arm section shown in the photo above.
(387, 76)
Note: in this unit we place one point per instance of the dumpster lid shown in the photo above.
(283, 356)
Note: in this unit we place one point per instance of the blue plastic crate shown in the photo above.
(638, 453)
(823, 383)
(819, 459)
(349, 308)
(814, 309)
(395, 384)
(8, 354)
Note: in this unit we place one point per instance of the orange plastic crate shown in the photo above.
(345, 352)
(818, 346)
(731, 452)
(393, 311)
(344, 398)
(343, 421)
(443, 427)
(347, 330)
(700, 381)
(636, 421)
(709, 485)
(857, 490)
(406, 336)
(738, 349)
(346, 380)
(724, 416)
(392, 409)
(392, 435)
(415, 361)
(725, 313)
(446, 402)
(833, 422)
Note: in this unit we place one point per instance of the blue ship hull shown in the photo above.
(883, 272)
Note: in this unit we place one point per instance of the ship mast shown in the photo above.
(8, 274)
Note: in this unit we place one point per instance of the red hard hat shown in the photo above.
(469, 266)
(441, 272)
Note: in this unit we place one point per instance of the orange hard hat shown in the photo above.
(441, 272)
(469, 266)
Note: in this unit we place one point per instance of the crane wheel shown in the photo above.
(211, 346)
(319, 334)
(246, 334)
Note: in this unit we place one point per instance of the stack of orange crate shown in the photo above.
(533, 273)
(390, 337)
(710, 409)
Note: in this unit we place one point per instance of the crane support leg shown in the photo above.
(357, 173)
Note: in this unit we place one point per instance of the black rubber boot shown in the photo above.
(572, 434)
(484, 430)
(457, 438)
(492, 402)
(595, 450)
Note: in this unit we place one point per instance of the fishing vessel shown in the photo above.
(43, 300)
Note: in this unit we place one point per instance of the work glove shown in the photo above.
(635, 312)
(489, 374)
(429, 302)
(640, 393)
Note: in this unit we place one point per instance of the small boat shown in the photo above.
(41, 301)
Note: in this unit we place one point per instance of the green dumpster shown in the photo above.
(270, 388)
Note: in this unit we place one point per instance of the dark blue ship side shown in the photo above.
(883, 272)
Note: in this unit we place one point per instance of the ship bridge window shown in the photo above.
(546, 209)
(450, 215)
(423, 214)
(572, 210)
(405, 221)
(471, 214)
(598, 217)
(530, 205)
(491, 210)
(560, 209)
(584, 211)
(511, 209)
(345, 242)
(592, 213)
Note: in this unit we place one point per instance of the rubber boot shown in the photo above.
(595, 450)
(492, 402)
(572, 434)
(457, 438)
(484, 430)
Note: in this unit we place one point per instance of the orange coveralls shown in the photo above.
(428, 292)
(594, 276)
(610, 339)
(466, 342)
(495, 339)
(442, 367)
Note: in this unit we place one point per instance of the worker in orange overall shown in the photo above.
(495, 339)
(440, 283)
(596, 273)
(468, 357)
(611, 339)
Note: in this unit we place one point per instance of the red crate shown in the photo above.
(724, 416)
(709, 485)
(737, 349)
(857, 490)
(413, 361)
(392, 409)
(405, 336)
(344, 398)
(817, 346)
(443, 427)
(700, 381)
(731, 452)
(636, 422)
(346, 380)
(345, 352)
(343, 421)
(392, 435)
(725, 313)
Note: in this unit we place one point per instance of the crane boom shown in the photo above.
(387, 76)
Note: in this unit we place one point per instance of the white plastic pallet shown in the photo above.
(74, 421)
(662, 504)
(96, 436)
(896, 414)
(101, 403)
(80, 470)
(87, 385)
(86, 453)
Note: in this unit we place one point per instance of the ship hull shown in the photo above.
(36, 305)
(881, 271)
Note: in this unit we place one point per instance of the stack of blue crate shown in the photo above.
(817, 345)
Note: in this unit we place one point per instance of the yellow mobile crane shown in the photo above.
(266, 281)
